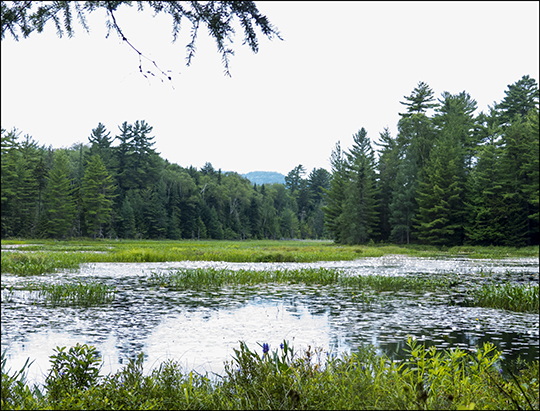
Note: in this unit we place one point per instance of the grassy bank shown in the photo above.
(283, 379)
(44, 256)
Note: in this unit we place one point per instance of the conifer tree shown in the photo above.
(335, 195)
(387, 168)
(403, 204)
(440, 195)
(360, 214)
(59, 203)
(97, 192)
(485, 204)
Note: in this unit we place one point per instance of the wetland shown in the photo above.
(197, 312)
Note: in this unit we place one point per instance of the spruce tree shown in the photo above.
(485, 203)
(97, 192)
(335, 195)
(387, 168)
(59, 203)
(360, 216)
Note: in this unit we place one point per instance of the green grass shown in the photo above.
(211, 277)
(50, 256)
(83, 294)
(284, 379)
(508, 296)
(35, 263)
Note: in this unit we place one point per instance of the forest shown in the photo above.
(449, 177)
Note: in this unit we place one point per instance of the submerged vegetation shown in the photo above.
(283, 379)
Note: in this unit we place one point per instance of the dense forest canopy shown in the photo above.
(449, 178)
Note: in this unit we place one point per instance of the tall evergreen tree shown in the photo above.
(440, 194)
(335, 195)
(100, 143)
(415, 138)
(485, 203)
(403, 205)
(97, 192)
(360, 206)
(387, 167)
(59, 203)
(521, 98)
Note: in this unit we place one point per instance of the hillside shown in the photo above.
(265, 177)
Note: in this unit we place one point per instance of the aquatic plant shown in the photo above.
(392, 283)
(212, 277)
(80, 293)
(509, 296)
(29, 263)
(54, 255)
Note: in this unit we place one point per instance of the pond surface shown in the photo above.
(199, 329)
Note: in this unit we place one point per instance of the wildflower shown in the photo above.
(266, 348)
(281, 346)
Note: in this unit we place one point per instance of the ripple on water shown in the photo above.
(200, 328)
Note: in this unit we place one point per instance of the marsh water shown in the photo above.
(200, 328)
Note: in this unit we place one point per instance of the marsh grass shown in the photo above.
(83, 294)
(508, 296)
(34, 263)
(50, 256)
(211, 277)
(285, 379)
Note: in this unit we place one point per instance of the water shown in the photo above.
(199, 329)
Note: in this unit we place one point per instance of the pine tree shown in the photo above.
(403, 204)
(521, 98)
(335, 195)
(440, 195)
(97, 192)
(126, 220)
(387, 167)
(415, 138)
(360, 206)
(485, 204)
(100, 143)
(59, 203)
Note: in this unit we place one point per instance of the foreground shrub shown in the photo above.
(282, 379)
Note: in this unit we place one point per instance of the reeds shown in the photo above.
(83, 294)
(34, 263)
(51, 256)
(508, 296)
(211, 277)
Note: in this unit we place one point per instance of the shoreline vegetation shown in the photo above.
(283, 379)
(31, 257)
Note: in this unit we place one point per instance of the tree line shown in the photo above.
(449, 177)
(127, 190)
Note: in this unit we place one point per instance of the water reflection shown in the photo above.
(200, 328)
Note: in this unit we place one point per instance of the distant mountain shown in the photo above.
(265, 177)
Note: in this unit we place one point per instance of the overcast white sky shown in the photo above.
(341, 66)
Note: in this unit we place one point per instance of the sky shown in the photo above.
(341, 66)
